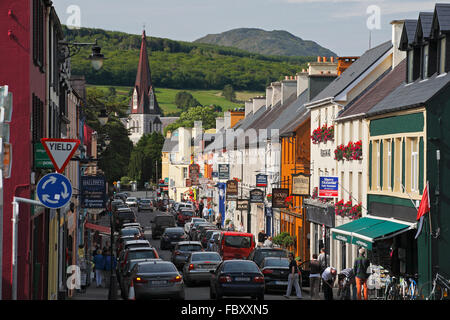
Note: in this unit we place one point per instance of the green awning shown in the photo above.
(363, 232)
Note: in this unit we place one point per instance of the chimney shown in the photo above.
(302, 82)
(248, 107)
(220, 123)
(319, 59)
(269, 95)
(288, 87)
(258, 103)
(397, 29)
(227, 120)
(276, 96)
(332, 59)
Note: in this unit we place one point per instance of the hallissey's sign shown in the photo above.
(279, 196)
(93, 192)
(232, 190)
(256, 196)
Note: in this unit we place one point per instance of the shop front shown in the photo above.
(321, 218)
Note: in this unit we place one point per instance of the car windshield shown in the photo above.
(190, 247)
(147, 254)
(206, 256)
(131, 199)
(137, 245)
(156, 268)
(129, 231)
(187, 213)
(126, 215)
(198, 220)
(276, 263)
(273, 253)
(145, 201)
(238, 241)
(240, 266)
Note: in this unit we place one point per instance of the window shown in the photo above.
(378, 167)
(410, 66)
(37, 122)
(185, 173)
(443, 52)
(426, 50)
(414, 166)
(135, 99)
(388, 164)
(38, 34)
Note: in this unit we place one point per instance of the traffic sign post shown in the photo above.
(54, 190)
(60, 151)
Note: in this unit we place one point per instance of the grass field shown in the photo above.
(166, 97)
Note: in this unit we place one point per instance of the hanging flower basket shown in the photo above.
(356, 212)
(289, 201)
(269, 197)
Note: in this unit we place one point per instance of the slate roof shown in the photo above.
(376, 93)
(170, 144)
(442, 11)
(426, 21)
(412, 95)
(354, 71)
(408, 34)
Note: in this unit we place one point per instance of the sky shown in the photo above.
(343, 26)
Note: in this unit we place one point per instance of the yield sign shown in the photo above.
(60, 151)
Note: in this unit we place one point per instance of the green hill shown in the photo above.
(179, 65)
(276, 42)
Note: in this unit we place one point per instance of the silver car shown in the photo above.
(157, 279)
(198, 266)
(145, 204)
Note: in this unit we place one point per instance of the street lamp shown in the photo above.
(69, 49)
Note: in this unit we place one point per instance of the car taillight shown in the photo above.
(191, 267)
(267, 271)
(224, 279)
(176, 279)
(140, 280)
(258, 279)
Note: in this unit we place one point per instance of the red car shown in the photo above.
(236, 245)
(184, 216)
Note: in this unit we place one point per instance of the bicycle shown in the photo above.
(392, 291)
(411, 293)
(440, 289)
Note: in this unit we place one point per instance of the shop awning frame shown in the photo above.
(366, 230)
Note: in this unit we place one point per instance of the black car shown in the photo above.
(171, 237)
(237, 278)
(276, 273)
(124, 215)
(182, 251)
(160, 223)
(260, 253)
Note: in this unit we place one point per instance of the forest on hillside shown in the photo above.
(178, 64)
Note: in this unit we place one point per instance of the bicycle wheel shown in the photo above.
(426, 291)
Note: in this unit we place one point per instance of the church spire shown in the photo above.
(144, 98)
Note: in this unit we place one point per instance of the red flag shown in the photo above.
(424, 203)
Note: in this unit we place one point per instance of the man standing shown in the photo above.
(328, 278)
(205, 213)
(322, 260)
(314, 277)
(360, 269)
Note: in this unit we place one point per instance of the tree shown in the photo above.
(228, 93)
(204, 114)
(184, 100)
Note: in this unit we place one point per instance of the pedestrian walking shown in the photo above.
(211, 214)
(109, 259)
(219, 220)
(99, 263)
(205, 213)
(201, 206)
(322, 258)
(360, 269)
(328, 279)
(241, 227)
(293, 278)
(314, 277)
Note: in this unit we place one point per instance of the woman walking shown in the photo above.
(293, 278)
(99, 262)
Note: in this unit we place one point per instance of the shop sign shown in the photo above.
(242, 204)
(194, 174)
(341, 237)
(362, 243)
(261, 180)
(256, 196)
(300, 184)
(93, 192)
(232, 190)
(41, 158)
(224, 171)
(279, 196)
(328, 187)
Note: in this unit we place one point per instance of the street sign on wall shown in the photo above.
(93, 192)
(60, 151)
(54, 190)
(328, 187)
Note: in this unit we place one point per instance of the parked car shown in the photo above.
(259, 253)
(182, 251)
(199, 265)
(135, 253)
(184, 216)
(125, 277)
(145, 204)
(124, 215)
(237, 278)
(128, 244)
(236, 245)
(184, 206)
(196, 231)
(160, 223)
(131, 202)
(187, 225)
(133, 225)
(276, 272)
(213, 241)
(115, 203)
(159, 279)
(171, 237)
(122, 196)
(194, 226)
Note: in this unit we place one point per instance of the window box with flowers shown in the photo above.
(349, 152)
(323, 134)
(346, 209)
